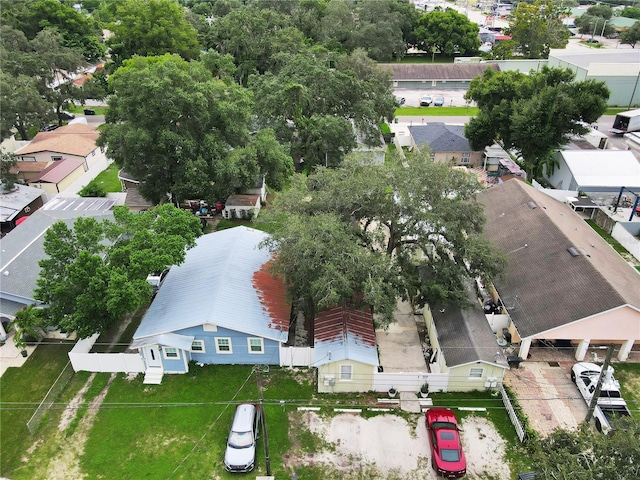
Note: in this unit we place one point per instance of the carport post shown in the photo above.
(581, 351)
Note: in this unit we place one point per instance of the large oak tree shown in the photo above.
(372, 233)
(537, 27)
(181, 131)
(532, 114)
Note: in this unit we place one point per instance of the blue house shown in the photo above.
(221, 306)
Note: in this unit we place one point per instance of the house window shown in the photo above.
(476, 372)
(464, 160)
(170, 353)
(256, 345)
(198, 346)
(223, 345)
(55, 159)
(210, 327)
(346, 373)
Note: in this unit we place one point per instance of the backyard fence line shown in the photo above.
(512, 413)
(51, 396)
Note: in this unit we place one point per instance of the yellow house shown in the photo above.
(345, 349)
(463, 345)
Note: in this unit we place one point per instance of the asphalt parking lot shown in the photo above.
(452, 98)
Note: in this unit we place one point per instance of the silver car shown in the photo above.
(240, 455)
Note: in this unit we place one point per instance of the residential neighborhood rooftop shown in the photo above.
(76, 139)
(12, 203)
(441, 137)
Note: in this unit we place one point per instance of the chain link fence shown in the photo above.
(51, 396)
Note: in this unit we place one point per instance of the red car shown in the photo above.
(447, 457)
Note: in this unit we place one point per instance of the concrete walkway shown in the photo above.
(399, 345)
(10, 356)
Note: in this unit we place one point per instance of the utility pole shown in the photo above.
(263, 419)
(596, 392)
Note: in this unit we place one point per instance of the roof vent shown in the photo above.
(532, 205)
(574, 251)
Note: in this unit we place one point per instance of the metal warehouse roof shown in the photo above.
(223, 281)
(603, 168)
(344, 333)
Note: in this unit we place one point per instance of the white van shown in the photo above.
(240, 455)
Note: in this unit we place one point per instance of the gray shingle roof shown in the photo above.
(547, 286)
(464, 334)
(438, 71)
(440, 137)
(23, 247)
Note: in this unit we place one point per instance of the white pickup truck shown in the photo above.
(610, 404)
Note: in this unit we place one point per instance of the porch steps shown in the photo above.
(153, 375)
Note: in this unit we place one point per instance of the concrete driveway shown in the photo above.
(547, 395)
(399, 345)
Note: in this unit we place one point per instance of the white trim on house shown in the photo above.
(220, 346)
(198, 346)
(171, 353)
(346, 372)
(260, 344)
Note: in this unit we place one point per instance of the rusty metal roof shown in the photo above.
(345, 333)
(273, 296)
(438, 71)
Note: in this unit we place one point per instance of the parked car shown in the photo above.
(89, 111)
(156, 279)
(447, 456)
(400, 100)
(49, 128)
(425, 101)
(240, 454)
(66, 116)
(438, 101)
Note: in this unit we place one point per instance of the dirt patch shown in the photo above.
(72, 408)
(389, 447)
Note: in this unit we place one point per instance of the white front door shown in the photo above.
(152, 354)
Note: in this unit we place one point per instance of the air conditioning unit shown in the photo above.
(329, 381)
(492, 382)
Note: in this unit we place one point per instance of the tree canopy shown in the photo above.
(79, 32)
(448, 32)
(181, 131)
(537, 27)
(532, 114)
(585, 454)
(36, 78)
(371, 233)
(631, 36)
(312, 99)
(96, 272)
(151, 27)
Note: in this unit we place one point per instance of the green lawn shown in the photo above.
(436, 111)
(79, 109)
(21, 391)
(108, 179)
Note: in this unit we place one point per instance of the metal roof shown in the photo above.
(183, 342)
(242, 201)
(544, 286)
(344, 333)
(440, 137)
(23, 247)
(603, 168)
(12, 203)
(58, 171)
(223, 281)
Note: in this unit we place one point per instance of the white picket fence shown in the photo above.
(82, 360)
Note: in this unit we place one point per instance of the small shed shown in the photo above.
(345, 346)
(241, 206)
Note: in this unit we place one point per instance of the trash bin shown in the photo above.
(513, 361)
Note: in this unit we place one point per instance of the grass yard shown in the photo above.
(628, 374)
(21, 391)
(436, 111)
(108, 179)
(79, 109)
